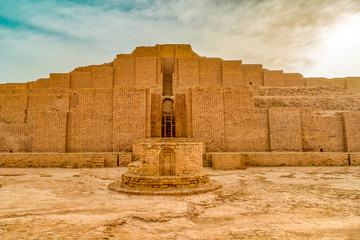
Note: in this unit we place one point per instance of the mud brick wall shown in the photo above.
(232, 73)
(188, 156)
(188, 71)
(239, 160)
(317, 102)
(80, 80)
(47, 102)
(42, 83)
(253, 74)
(74, 160)
(156, 114)
(180, 115)
(226, 161)
(353, 83)
(13, 86)
(244, 130)
(322, 133)
(189, 114)
(59, 80)
(329, 133)
(31, 85)
(325, 82)
(285, 130)
(210, 71)
(102, 77)
(1, 104)
(293, 80)
(352, 131)
(208, 117)
(316, 82)
(13, 109)
(15, 138)
(90, 121)
(273, 78)
(337, 82)
(146, 71)
(124, 71)
(49, 131)
(130, 116)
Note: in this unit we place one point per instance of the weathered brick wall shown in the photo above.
(293, 80)
(48, 102)
(187, 158)
(208, 117)
(49, 132)
(13, 108)
(145, 51)
(240, 160)
(322, 133)
(124, 71)
(352, 131)
(232, 73)
(285, 130)
(189, 114)
(156, 114)
(13, 86)
(1, 104)
(180, 115)
(353, 84)
(40, 83)
(273, 78)
(325, 82)
(317, 102)
(316, 82)
(210, 72)
(59, 80)
(80, 80)
(146, 71)
(90, 121)
(337, 82)
(75, 160)
(103, 77)
(253, 74)
(245, 129)
(188, 71)
(15, 138)
(130, 116)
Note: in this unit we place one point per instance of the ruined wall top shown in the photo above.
(164, 50)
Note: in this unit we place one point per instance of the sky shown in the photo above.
(313, 37)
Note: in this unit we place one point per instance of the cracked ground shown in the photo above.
(255, 203)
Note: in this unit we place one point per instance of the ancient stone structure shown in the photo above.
(169, 91)
(166, 166)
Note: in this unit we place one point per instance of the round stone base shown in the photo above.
(156, 182)
(164, 185)
(117, 186)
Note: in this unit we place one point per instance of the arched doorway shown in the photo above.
(167, 162)
(168, 119)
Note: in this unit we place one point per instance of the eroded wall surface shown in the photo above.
(229, 105)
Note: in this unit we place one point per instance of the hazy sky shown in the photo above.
(313, 37)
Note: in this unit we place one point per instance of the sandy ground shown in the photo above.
(256, 203)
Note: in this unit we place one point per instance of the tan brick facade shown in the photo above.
(230, 106)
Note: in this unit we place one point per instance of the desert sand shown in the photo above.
(255, 203)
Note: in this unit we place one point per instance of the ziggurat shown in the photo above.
(244, 114)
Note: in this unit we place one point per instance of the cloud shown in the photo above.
(39, 37)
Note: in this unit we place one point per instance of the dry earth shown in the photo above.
(256, 203)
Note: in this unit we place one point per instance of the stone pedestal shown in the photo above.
(166, 166)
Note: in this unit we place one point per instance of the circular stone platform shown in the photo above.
(164, 185)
